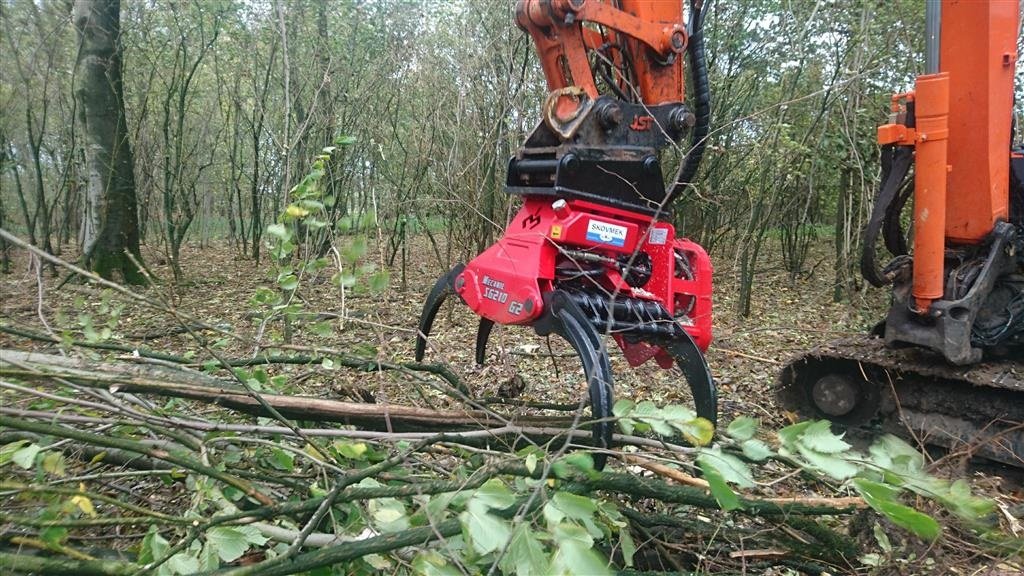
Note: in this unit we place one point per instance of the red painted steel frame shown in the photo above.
(507, 282)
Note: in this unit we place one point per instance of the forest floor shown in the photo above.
(788, 316)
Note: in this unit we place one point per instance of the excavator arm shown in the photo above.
(591, 256)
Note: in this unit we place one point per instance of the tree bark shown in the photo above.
(110, 224)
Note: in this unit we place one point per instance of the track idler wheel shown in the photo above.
(563, 317)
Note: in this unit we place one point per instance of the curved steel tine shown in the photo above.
(566, 319)
(438, 294)
(694, 367)
(483, 334)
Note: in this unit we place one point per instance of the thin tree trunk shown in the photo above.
(111, 231)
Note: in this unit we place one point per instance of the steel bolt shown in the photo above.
(682, 119)
(609, 115)
(561, 208)
(650, 165)
(570, 163)
(678, 41)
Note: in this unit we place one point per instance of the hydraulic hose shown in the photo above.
(702, 101)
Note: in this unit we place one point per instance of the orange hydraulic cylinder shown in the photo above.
(979, 50)
(930, 171)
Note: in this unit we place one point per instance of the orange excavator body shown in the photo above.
(950, 369)
(979, 52)
(961, 137)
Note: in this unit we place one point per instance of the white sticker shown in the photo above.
(658, 236)
(606, 233)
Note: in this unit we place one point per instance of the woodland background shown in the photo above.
(189, 423)
(229, 102)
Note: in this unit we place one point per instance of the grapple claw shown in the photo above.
(563, 317)
(483, 334)
(690, 361)
(438, 294)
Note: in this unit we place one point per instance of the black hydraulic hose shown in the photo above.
(896, 161)
(702, 101)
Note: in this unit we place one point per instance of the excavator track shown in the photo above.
(860, 384)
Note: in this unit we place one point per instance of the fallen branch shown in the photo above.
(167, 381)
(336, 356)
(138, 448)
(664, 471)
(65, 566)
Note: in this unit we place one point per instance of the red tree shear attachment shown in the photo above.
(584, 271)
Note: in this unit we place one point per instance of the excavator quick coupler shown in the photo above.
(584, 271)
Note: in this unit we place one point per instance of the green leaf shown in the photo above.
(730, 467)
(279, 231)
(485, 532)
(53, 535)
(573, 464)
(183, 563)
(231, 542)
(645, 409)
(351, 450)
(675, 413)
(961, 502)
(525, 554)
(289, 282)
(343, 280)
(154, 546)
(574, 506)
(788, 436)
(282, 460)
(882, 538)
(54, 463)
(819, 437)
(829, 464)
(581, 461)
(871, 559)
(726, 498)
(742, 428)
(622, 407)
(389, 514)
(552, 515)
(698, 432)
(355, 250)
(894, 454)
(7, 451)
(627, 546)
(494, 494)
(379, 281)
(531, 462)
(883, 499)
(431, 563)
(576, 554)
(26, 457)
(322, 329)
(756, 450)
(208, 558)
